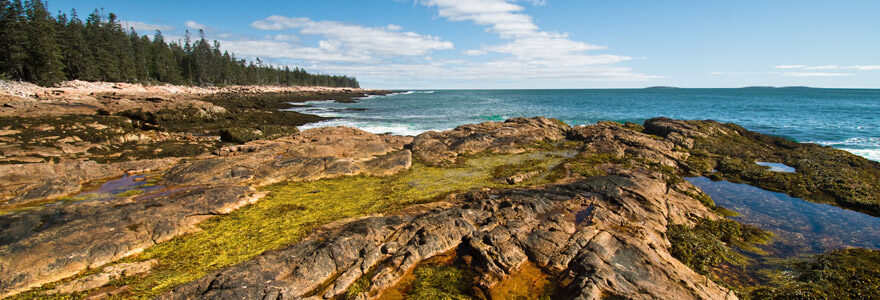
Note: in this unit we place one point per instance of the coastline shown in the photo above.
(289, 194)
(115, 122)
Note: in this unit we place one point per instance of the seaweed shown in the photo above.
(710, 243)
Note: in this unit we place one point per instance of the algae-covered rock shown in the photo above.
(728, 151)
(239, 135)
(40, 246)
(615, 246)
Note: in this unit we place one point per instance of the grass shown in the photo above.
(293, 210)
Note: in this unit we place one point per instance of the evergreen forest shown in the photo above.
(37, 47)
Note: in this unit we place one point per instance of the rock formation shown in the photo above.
(599, 230)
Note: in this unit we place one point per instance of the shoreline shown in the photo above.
(367, 187)
(229, 179)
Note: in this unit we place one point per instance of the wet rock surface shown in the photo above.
(20, 184)
(618, 248)
(728, 151)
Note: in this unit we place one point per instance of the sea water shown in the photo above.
(848, 119)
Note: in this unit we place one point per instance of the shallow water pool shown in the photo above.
(777, 167)
(800, 227)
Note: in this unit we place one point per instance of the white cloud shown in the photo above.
(358, 40)
(527, 43)
(790, 67)
(865, 68)
(815, 74)
(389, 54)
(830, 67)
(275, 49)
(474, 52)
(195, 25)
(285, 37)
(145, 28)
(741, 73)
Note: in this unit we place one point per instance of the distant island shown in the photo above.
(661, 87)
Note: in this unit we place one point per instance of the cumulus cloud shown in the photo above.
(390, 54)
(527, 43)
(358, 40)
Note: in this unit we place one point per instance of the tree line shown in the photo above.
(38, 47)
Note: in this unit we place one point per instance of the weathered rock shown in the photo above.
(40, 246)
(308, 155)
(24, 183)
(47, 244)
(100, 279)
(605, 234)
(510, 136)
(620, 142)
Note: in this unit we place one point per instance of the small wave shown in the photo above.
(856, 141)
(872, 154)
(392, 128)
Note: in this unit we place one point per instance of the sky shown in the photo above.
(519, 44)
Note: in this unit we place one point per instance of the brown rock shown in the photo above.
(45, 245)
(620, 249)
(510, 136)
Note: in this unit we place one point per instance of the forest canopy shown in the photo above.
(38, 47)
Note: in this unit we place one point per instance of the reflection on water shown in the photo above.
(800, 227)
(777, 167)
(122, 187)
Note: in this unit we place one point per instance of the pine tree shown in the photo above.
(13, 53)
(38, 47)
(43, 65)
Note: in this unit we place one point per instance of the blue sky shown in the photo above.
(537, 44)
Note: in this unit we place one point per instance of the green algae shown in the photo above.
(710, 243)
(840, 274)
(441, 282)
(293, 210)
(824, 174)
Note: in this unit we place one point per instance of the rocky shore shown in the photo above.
(483, 211)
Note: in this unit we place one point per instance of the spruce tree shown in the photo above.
(43, 65)
(13, 54)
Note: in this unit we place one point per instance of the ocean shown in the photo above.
(847, 119)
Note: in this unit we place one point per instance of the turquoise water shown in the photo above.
(843, 118)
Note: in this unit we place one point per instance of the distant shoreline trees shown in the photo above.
(44, 49)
